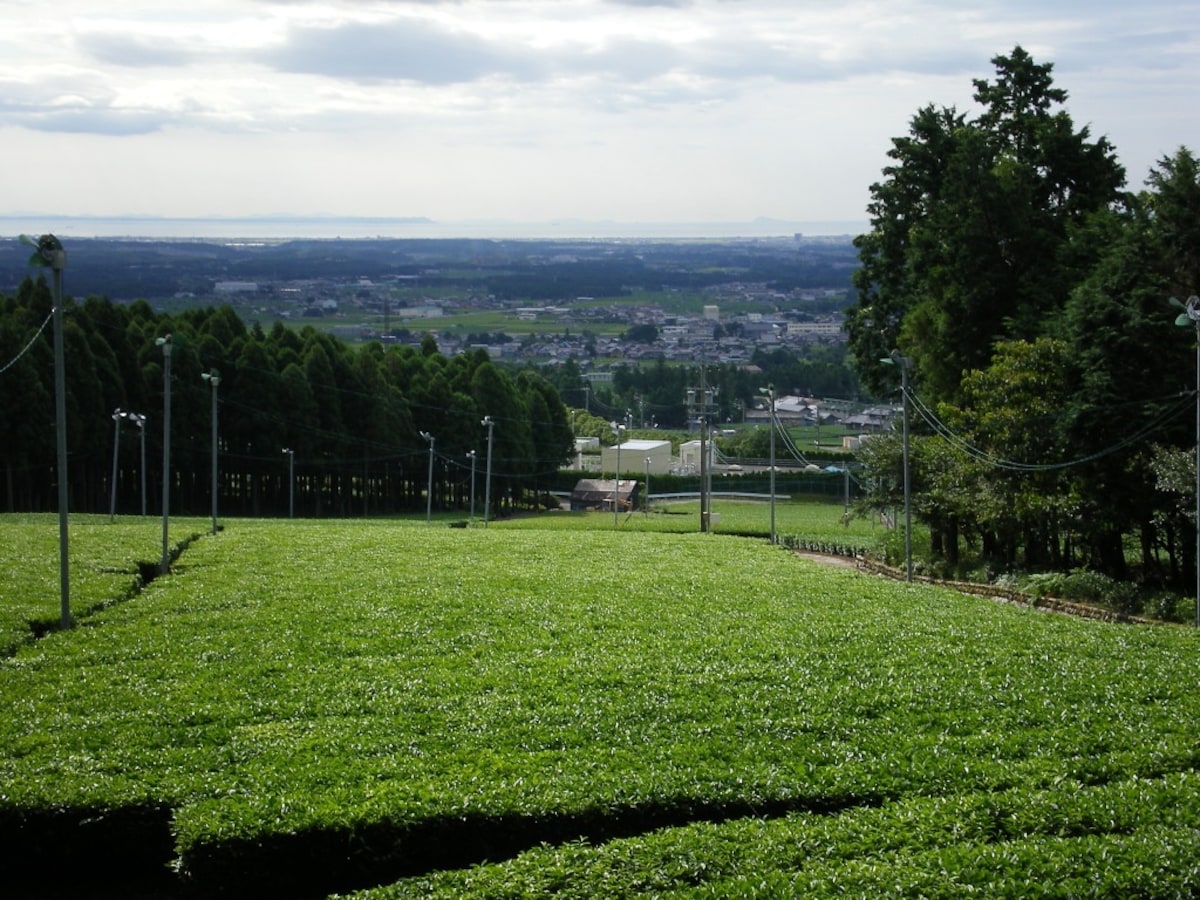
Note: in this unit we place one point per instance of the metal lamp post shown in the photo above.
(646, 499)
(1191, 316)
(429, 482)
(213, 377)
(165, 343)
(48, 251)
(471, 456)
(617, 428)
(769, 390)
(846, 490)
(904, 363)
(487, 493)
(140, 421)
(117, 415)
(291, 455)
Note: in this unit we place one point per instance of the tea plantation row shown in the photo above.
(306, 708)
(107, 562)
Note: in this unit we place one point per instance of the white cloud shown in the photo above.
(628, 109)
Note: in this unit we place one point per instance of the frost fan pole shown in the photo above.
(48, 251)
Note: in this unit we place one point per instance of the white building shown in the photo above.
(689, 456)
(818, 329)
(235, 287)
(634, 454)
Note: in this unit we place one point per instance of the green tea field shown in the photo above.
(385, 709)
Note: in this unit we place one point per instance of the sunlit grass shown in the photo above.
(103, 565)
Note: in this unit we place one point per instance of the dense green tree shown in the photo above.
(550, 431)
(646, 333)
(26, 401)
(970, 225)
(513, 458)
(351, 417)
(1174, 201)
(1011, 418)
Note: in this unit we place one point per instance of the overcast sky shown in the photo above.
(540, 110)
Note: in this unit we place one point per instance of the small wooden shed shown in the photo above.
(598, 493)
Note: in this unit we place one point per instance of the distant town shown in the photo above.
(545, 301)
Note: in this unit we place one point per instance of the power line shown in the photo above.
(12, 362)
(965, 447)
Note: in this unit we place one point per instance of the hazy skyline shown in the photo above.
(539, 110)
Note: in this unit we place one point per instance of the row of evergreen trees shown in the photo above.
(352, 419)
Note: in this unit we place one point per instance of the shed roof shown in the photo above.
(642, 446)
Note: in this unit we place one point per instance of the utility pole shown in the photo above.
(904, 363)
(471, 456)
(140, 421)
(700, 406)
(770, 392)
(165, 565)
(213, 377)
(291, 455)
(48, 251)
(1190, 317)
(646, 499)
(617, 428)
(487, 490)
(429, 484)
(117, 415)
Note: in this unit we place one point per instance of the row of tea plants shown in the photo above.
(305, 708)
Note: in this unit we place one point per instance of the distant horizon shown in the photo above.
(333, 227)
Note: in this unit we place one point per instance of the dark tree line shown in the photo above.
(352, 419)
(1028, 290)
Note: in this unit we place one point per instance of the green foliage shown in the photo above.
(107, 562)
(352, 417)
(415, 694)
(971, 226)
(1030, 290)
(646, 333)
(1087, 586)
(1126, 837)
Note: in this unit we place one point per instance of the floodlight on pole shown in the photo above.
(213, 377)
(1191, 317)
(471, 456)
(429, 484)
(904, 363)
(165, 563)
(617, 428)
(291, 455)
(487, 492)
(49, 252)
(117, 415)
(769, 390)
(140, 421)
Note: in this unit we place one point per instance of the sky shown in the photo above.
(537, 111)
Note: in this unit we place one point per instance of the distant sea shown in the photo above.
(287, 228)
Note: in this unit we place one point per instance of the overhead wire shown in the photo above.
(37, 334)
(789, 444)
(969, 449)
